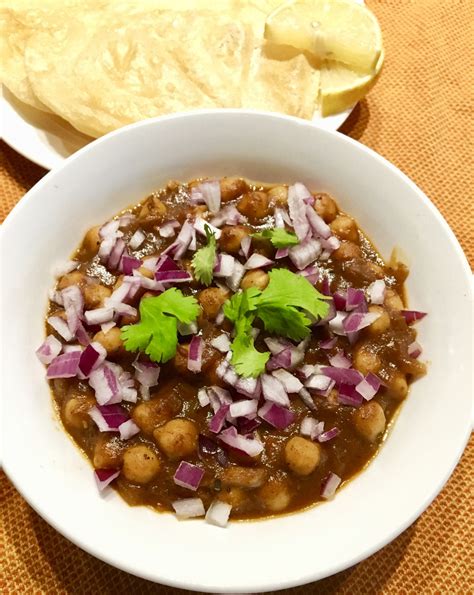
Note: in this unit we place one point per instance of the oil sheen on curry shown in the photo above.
(226, 349)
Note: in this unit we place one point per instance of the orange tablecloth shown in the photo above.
(419, 116)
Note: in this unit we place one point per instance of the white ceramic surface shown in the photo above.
(48, 140)
(416, 460)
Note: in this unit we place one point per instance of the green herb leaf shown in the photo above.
(157, 332)
(278, 236)
(205, 258)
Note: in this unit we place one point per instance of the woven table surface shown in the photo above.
(420, 117)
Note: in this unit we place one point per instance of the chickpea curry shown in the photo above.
(229, 349)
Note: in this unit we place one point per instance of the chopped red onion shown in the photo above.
(280, 360)
(173, 276)
(336, 325)
(412, 316)
(207, 446)
(355, 298)
(356, 321)
(319, 227)
(129, 263)
(104, 477)
(301, 191)
(311, 427)
(168, 229)
(297, 209)
(201, 224)
(257, 261)
(290, 383)
(276, 346)
(278, 218)
(305, 253)
(328, 343)
(247, 444)
(246, 426)
(211, 193)
(349, 396)
(73, 305)
(188, 476)
(92, 357)
(116, 254)
(65, 268)
(144, 392)
(228, 215)
(218, 513)
(329, 485)
(236, 277)
(311, 273)
(250, 387)
(55, 296)
(149, 284)
(340, 360)
(222, 394)
(50, 349)
(126, 219)
(224, 265)
(318, 382)
(137, 239)
(342, 375)
(195, 354)
(245, 245)
(128, 429)
(203, 397)
(328, 435)
(340, 300)
(98, 316)
(414, 349)
(165, 263)
(221, 343)
(218, 419)
(188, 508)
(106, 326)
(243, 408)
(180, 245)
(273, 390)
(151, 263)
(330, 244)
(146, 373)
(307, 399)
(281, 253)
(108, 418)
(369, 386)
(64, 366)
(104, 381)
(277, 416)
(196, 197)
(376, 291)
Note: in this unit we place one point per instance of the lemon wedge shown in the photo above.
(337, 30)
(341, 88)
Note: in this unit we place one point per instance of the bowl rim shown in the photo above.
(311, 575)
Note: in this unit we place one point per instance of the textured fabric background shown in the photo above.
(419, 116)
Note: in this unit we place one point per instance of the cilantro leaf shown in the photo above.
(286, 322)
(241, 303)
(278, 236)
(287, 289)
(205, 258)
(157, 332)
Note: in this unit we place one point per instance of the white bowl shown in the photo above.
(414, 463)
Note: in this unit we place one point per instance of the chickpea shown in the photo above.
(180, 360)
(74, 278)
(211, 300)
(244, 477)
(232, 188)
(140, 464)
(157, 411)
(231, 238)
(108, 452)
(92, 240)
(275, 495)
(254, 205)
(177, 438)
(382, 323)
(256, 278)
(111, 340)
(95, 294)
(75, 412)
(345, 228)
(393, 302)
(236, 497)
(325, 207)
(279, 196)
(398, 385)
(369, 420)
(153, 210)
(366, 361)
(302, 455)
(359, 268)
(347, 251)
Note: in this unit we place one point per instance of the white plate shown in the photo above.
(48, 140)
